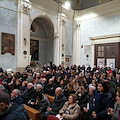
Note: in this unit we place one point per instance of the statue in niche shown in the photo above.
(8, 43)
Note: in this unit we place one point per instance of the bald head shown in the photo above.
(58, 91)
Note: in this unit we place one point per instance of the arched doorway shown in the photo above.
(41, 41)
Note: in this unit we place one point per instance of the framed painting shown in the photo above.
(34, 49)
(8, 43)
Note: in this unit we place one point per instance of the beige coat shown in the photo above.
(74, 111)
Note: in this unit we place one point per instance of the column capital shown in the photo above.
(25, 6)
(63, 18)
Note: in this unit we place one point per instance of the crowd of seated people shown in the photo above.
(94, 91)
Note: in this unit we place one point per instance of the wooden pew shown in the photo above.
(50, 98)
(33, 114)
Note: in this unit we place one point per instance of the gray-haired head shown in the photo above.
(58, 91)
(30, 85)
(39, 85)
(2, 87)
(92, 87)
(17, 92)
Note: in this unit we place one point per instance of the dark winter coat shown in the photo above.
(28, 95)
(14, 112)
(58, 103)
(50, 89)
(105, 104)
(17, 100)
(95, 104)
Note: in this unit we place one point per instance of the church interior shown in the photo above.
(66, 32)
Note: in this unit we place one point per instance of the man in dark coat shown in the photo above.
(9, 111)
(85, 104)
(50, 87)
(57, 104)
(15, 98)
(29, 94)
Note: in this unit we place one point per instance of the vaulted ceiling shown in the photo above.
(82, 4)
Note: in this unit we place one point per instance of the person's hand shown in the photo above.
(63, 115)
(94, 114)
(85, 109)
(49, 109)
(110, 111)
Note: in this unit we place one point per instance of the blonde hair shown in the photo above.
(82, 89)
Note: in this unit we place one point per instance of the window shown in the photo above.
(101, 51)
(110, 51)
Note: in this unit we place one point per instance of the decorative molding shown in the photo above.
(63, 18)
(104, 37)
(25, 6)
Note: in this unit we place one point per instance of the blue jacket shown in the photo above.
(100, 105)
(17, 100)
(14, 112)
(95, 104)
(106, 103)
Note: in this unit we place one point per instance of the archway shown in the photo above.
(41, 41)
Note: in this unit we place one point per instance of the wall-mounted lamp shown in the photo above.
(25, 41)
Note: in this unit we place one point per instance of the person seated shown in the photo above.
(15, 97)
(38, 88)
(81, 93)
(70, 90)
(2, 88)
(29, 94)
(29, 78)
(85, 104)
(50, 87)
(115, 112)
(23, 88)
(11, 111)
(56, 105)
(39, 103)
(70, 110)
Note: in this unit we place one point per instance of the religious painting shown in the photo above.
(8, 43)
(111, 63)
(101, 62)
(34, 49)
(67, 61)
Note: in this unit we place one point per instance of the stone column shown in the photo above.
(23, 43)
(62, 37)
(92, 54)
(76, 44)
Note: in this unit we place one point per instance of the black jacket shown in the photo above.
(28, 95)
(50, 89)
(58, 103)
